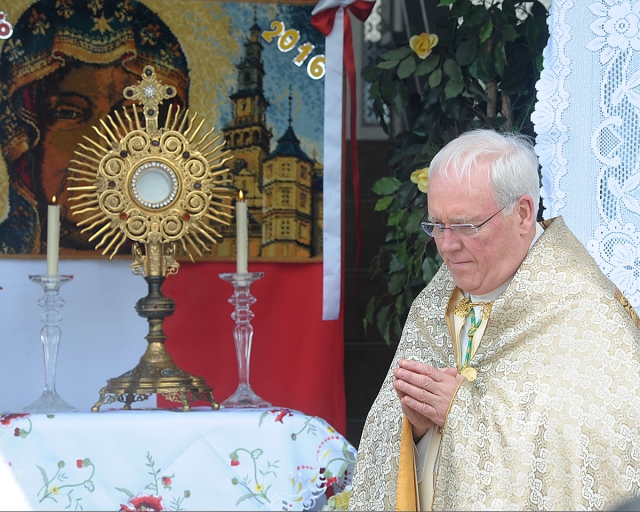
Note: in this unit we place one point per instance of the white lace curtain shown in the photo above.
(588, 123)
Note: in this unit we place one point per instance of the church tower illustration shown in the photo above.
(283, 187)
(248, 138)
(287, 204)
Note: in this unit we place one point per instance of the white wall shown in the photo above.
(102, 335)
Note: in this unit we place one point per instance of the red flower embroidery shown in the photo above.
(147, 503)
(16, 432)
(166, 481)
(79, 463)
(7, 419)
(235, 462)
(282, 413)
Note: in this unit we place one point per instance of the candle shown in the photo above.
(53, 237)
(242, 235)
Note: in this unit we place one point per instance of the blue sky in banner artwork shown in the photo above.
(280, 72)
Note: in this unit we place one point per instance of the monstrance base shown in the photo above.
(156, 373)
(244, 398)
(50, 401)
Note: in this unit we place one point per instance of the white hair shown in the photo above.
(512, 163)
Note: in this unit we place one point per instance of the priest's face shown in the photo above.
(482, 262)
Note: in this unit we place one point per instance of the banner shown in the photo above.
(255, 72)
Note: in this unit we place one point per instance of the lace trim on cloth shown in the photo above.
(552, 102)
(588, 123)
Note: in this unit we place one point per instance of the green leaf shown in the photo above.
(394, 264)
(89, 486)
(368, 319)
(387, 88)
(476, 16)
(397, 54)
(383, 203)
(413, 221)
(407, 67)
(460, 8)
(483, 68)
(387, 64)
(387, 185)
(400, 99)
(245, 497)
(402, 252)
(370, 73)
(374, 89)
(396, 283)
(466, 52)
(427, 65)
(44, 475)
(406, 193)
(444, 3)
(509, 33)
(397, 328)
(399, 304)
(382, 322)
(408, 298)
(509, 8)
(486, 31)
(435, 78)
(394, 218)
(262, 417)
(452, 70)
(453, 89)
(342, 468)
(126, 491)
(429, 269)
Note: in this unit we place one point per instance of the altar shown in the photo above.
(243, 459)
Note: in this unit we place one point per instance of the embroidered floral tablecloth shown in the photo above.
(260, 459)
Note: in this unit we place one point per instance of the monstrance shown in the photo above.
(157, 186)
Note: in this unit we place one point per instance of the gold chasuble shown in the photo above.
(551, 419)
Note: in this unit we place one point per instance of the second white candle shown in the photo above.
(242, 236)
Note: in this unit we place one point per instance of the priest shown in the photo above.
(516, 383)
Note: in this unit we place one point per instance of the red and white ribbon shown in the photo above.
(328, 16)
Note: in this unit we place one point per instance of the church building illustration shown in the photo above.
(283, 187)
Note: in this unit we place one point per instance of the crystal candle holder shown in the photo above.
(244, 396)
(50, 401)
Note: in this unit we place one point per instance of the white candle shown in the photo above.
(242, 235)
(53, 237)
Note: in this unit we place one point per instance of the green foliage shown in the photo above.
(482, 73)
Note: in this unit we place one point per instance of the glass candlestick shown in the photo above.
(242, 299)
(50, 401)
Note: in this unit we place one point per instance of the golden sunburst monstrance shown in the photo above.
(157, 186)
(151, 184)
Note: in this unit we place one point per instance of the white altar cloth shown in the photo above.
(260, 459)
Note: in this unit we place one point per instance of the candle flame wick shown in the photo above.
(241, 196)
(53, 200)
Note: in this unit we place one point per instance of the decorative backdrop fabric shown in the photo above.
(297, 359)
(588, 125)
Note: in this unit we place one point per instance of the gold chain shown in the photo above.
(465, 306)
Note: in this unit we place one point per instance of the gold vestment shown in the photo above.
(551, 422)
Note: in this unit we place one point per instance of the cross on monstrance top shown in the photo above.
(150, 93)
